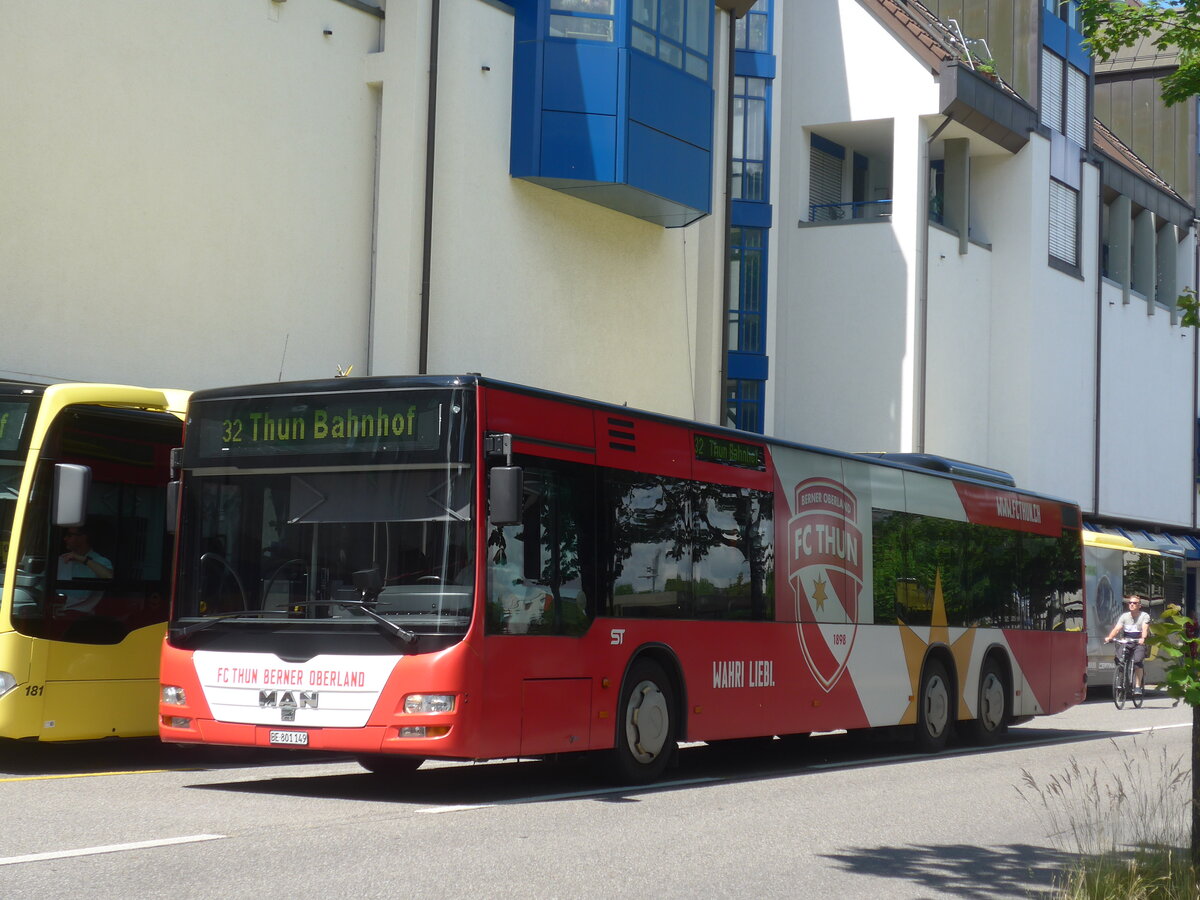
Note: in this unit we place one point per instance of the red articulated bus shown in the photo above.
(416, 568)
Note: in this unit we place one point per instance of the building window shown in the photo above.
(937, 191)
(1064, 223)
(743, 404)
(676, 31)
(1052, 89)
(753, 30)
(749, 139)
(582, 20)
(1075, 117)
(1064, 106)
(747, 282)
(1067, 10)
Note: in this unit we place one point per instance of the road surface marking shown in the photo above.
(84, 775)
(110, 848)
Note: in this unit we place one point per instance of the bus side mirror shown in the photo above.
(172, 505)
(71, 485)
(506, 489)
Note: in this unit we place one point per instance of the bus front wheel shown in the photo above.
(646, 726)
(934, 708)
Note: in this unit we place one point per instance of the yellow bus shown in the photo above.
(86, 556)
(1114, 567)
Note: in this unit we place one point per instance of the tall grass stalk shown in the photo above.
(1128, 823)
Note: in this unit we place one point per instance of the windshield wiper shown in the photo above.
(399, 631)
(409, 637)
(209, 621)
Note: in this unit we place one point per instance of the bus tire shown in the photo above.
(991, 713)
(388, 765)
(646, 726)
(934, 707)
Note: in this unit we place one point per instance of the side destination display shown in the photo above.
(12, 424)
(728, 453)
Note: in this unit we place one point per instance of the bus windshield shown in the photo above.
(344, 545)
(10, 483)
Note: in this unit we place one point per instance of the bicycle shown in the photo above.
(1123, 685)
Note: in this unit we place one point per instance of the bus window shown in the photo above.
(733, 553)
(650, 546)
(540, 572)
(1049, 574)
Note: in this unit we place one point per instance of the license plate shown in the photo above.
(289, 737)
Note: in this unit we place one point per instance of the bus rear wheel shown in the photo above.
(388, 766)
(645, 727)
(991, 714)
(934, 707)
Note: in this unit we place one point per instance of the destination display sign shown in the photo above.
(728, 453)
(387, 422)
(13, 414)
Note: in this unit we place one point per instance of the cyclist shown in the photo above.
(1134, 624)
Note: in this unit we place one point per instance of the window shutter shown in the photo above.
(825, 183)
(1052, 90)
(1064, 223)
(1077, 118)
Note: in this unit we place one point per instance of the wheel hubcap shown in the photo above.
(647, 722)
(991, 702)
(937, 706)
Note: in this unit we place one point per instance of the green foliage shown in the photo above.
(1112, 25)
(1151, 875)
(1174, 635)
(1188, 305)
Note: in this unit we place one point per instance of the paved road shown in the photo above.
(835, 818)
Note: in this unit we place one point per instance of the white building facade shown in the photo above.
(251, 190)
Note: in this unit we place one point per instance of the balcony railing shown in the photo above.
(863, 209)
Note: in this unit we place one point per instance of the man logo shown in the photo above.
(825, 568)
(287, 702)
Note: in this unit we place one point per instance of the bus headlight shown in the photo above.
(429, 703)
(173, 695)
(8, 681)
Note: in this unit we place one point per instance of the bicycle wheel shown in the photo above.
(1119, 684)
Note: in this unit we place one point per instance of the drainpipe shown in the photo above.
(427, 244)
(726, 287)
(1195, 372)
(922, 336)
(1099, 356)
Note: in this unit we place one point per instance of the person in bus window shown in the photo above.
(1134, 624)
(80, 561)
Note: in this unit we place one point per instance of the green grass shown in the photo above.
(1130, 843)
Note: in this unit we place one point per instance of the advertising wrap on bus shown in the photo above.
(657, 581)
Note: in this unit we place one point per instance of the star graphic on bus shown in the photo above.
(819, 596)
(915, 648)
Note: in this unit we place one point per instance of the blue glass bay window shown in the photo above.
(613, 103)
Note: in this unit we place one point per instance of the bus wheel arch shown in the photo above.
(650, 720)
(392, 766)
(936, 701)
(993, 698)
